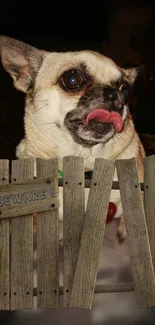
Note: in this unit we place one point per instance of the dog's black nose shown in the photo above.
(113, 96)
(117, 98)
(114, 99)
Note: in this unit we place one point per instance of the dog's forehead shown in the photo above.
(102, 68)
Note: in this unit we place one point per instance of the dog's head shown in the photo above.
(83, 93)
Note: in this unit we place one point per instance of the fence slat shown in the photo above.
(92, 235)
(73, 217)
(137, 235)
(22, 245)
(149, 200)
(4, 247)
(47, 243)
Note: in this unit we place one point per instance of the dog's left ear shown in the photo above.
(133, 73)
(21, 61)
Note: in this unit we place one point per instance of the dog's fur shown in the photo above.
(53, 114)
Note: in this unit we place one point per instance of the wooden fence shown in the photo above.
(34, 187)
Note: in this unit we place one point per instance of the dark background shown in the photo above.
(51, 25)
(110, 27)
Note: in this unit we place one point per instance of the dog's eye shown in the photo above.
(73, 80)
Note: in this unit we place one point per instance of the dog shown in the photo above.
(76, 104)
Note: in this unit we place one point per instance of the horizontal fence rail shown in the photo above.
(115, 184)
(103, 288)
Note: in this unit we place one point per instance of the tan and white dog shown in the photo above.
(76, 104)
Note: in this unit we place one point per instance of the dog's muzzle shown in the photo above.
(98, 115)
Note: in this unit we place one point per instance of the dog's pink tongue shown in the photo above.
(103, 115)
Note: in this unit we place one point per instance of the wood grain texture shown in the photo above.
(92, 235)
(22, 245)
(149, 200)
(137, 235)
(4, 247)
(23, 199)
(47, 243)
(73, 217)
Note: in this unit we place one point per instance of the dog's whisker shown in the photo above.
(50, 123)
(41, 107)
(119, 136)
(41, 100)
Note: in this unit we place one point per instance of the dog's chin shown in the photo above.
(92, 134)
(96, 132)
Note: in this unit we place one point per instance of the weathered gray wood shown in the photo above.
(26, 198)
(4, 247)
(73, 217)
(47, 243)
(19, 200)
(137, 235)
(149, 200)
(22, 245)
(92, 235)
